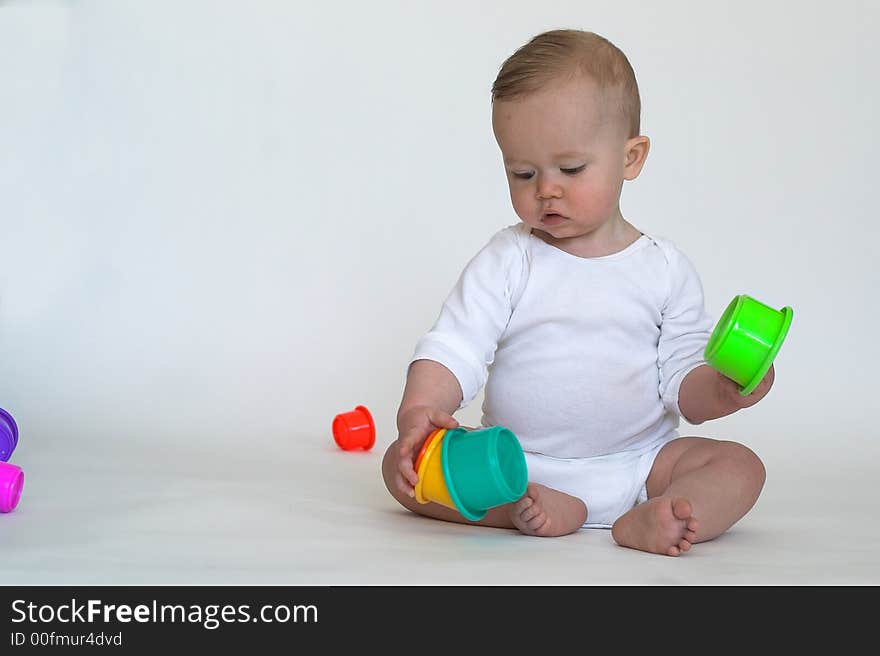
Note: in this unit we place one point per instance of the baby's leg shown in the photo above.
(697, 489)
(541, 511)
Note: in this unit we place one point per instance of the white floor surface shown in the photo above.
(321, 516)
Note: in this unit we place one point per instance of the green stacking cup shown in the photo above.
(483, 468)
(746, 339)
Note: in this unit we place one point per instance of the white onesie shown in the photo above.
(580, 357)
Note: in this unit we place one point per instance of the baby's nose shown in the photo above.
(548, 188)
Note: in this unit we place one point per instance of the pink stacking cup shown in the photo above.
(11, 483)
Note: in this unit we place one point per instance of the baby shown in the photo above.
(587, 333)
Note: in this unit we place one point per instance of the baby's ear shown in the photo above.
(635, 154)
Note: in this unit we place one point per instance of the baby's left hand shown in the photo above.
(729, 391)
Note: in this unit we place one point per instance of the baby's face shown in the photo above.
(564, 152)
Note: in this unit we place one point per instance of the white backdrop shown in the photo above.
(222, 223)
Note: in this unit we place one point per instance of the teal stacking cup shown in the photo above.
(483, 468)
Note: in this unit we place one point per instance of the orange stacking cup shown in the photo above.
(355, 429)
(429, 466)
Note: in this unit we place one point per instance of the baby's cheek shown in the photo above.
(596, 202)
(524, 207)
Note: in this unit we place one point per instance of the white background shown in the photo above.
(222, 223)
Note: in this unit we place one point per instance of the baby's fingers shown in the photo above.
(442, 419)
(404, 485)
(408, 474)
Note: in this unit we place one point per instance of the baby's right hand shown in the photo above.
(414, 426)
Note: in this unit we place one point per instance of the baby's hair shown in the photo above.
(562, 54)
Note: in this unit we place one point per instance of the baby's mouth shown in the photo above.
(552, 218)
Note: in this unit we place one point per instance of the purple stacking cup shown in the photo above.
(8, 435)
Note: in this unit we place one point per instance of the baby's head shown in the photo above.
(565, 112)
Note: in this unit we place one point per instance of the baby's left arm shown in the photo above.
(706, 394)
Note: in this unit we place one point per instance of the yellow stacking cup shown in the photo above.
(429, 466)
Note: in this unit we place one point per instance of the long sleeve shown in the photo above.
(473, 317)
(685, 327)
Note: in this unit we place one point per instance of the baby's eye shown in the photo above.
(524, 175)
(575, 170)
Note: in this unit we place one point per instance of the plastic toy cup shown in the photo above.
(355, 429)
(483, 468)
(11, 483)
(429, 465)
(8, 435)
(746, 339)
(436, 434)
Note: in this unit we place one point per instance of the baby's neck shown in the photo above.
(611, 237)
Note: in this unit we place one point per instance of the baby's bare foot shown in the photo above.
(660, 525)
(546, 512)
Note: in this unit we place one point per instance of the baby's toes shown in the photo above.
(537, 519)
(530, 512)
(684, 545)
(522, 505)
(681, 508)
(542, 529)
(690, 536)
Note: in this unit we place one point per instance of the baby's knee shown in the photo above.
(748, 460)
(389, 466)
(391, 476)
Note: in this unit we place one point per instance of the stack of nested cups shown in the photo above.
(471, 471)
(11, 477)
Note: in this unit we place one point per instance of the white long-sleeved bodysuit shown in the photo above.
(580, 357)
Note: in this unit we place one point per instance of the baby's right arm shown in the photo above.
(464, 339)
(431, 395)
